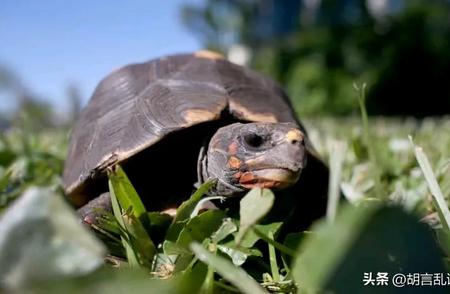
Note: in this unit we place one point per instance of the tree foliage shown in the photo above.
(402, 52)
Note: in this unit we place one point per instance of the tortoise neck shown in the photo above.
(202, 171)
(221, 188)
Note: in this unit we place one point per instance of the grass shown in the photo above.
(372, 162)
(438, 197)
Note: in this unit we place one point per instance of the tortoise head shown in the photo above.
(244, 156)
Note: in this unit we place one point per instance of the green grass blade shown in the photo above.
(129, 211)
(337, 156)
(251, 237)
(226, 287)
(369, 140)
(208, 284)
(185, 210)
(125, 193)
(235, 275)
(117, 211)
(226, 228)
(367, 238)
(273, 261)
(4, 180)
(438, 196)
(140, 241)
(200, 227)
(253, 207)
(284, 249)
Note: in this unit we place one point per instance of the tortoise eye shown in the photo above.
(253, 140)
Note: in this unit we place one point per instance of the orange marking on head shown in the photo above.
(233, 148)
(234, 162)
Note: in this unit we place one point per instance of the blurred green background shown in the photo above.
(316, 49)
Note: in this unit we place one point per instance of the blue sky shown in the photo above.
(51, 43)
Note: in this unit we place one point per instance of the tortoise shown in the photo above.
(182, 119)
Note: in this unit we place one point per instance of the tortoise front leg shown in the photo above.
(90, 212)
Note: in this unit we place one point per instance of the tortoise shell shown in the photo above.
(140, 104)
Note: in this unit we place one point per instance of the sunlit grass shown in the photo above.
(225, 242)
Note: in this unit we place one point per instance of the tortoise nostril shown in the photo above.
(295, 137)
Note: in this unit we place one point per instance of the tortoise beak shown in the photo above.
(269, 178)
